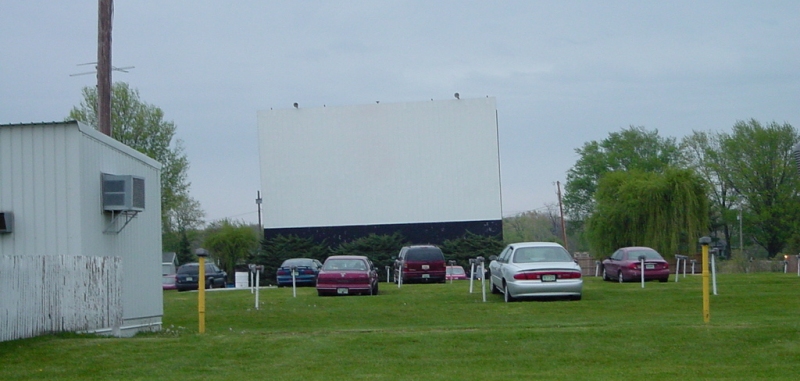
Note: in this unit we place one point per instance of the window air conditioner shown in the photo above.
(123, 193)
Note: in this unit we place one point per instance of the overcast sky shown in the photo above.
(563, 72)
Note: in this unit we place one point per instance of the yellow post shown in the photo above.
(201, 288)
(706, 304)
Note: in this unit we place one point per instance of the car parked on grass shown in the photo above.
(347, 275)
(306, 272)
(535, 269)
(455, 273)
(625, 265)
(168, 276)
(420, 263)
(189, 274)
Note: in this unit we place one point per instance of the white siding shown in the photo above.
(432, 161)
(44, 294)
(40, 184)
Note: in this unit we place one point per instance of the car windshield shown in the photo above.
(188, 269)
(344, 264)
(541, 254)
(297, 262)
(633, 255)
(425, 254)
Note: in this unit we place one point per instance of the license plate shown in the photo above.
(189, 279)
(425, 267)
(426, 276)
(342, 291)
(649, 266)
(548, 278)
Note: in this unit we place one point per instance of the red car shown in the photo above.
(455, 273)
(625, 265)
(347, 275)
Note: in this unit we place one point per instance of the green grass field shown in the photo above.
(442, 332)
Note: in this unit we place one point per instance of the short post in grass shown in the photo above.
(680, 258)
(471, 273)
(785, 264)
(597, 268)
(252, 275)
(714, 271)
(693, 262)
(641, 265)
(388, 280)
(798, 264)
(294, 281)
(399, 276)
(704, 241)
(483, 277)
(201, 289)
(451, 270)
(258, 269)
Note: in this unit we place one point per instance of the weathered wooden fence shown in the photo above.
(44, 294)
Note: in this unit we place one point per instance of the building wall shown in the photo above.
(50, 178)
(142, 296)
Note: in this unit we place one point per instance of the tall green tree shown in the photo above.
(764, 174)
(532, 225)
(666, 211)
(633, 148)
(703, 153)
(230, 241)
(142, 127)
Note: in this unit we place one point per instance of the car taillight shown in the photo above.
(283, 272)
(634, 266)
(538, 275)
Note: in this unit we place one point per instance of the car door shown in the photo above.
(496, 267)
(614, 263)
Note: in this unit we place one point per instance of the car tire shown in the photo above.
(577, 297)
(605, 274)
(507, 294)
(620, 278)
(320, 293)
(495, 290)
(662, 280)
(375, 290)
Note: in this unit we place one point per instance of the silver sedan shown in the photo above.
(535, 269)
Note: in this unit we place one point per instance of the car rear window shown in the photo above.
(425, 254)
(188, 269)
(344, 264)
(541, 254)
(297, 262)
(455, 271)
(648, 254)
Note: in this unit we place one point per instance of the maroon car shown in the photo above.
(625, 265)
(347, 275)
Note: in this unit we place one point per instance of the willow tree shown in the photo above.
(666, 211)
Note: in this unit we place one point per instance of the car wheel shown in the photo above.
(320, 293)
(577, 297)
(605, 274)
(375, 292)
(662, 280)
(507, 294)
(620, 278)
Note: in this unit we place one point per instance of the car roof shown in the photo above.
(347, 257)
(637, 248)
(535, 244)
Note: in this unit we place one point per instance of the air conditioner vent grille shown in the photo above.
(123, 193)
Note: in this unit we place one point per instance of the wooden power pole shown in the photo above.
(105, 12)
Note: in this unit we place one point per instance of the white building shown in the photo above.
(80, 233)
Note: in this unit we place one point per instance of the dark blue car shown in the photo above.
(306, 271)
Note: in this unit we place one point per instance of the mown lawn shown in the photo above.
(442, 332)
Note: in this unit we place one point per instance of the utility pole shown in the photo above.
(105, 12)
(561, 209)
(260, 226)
